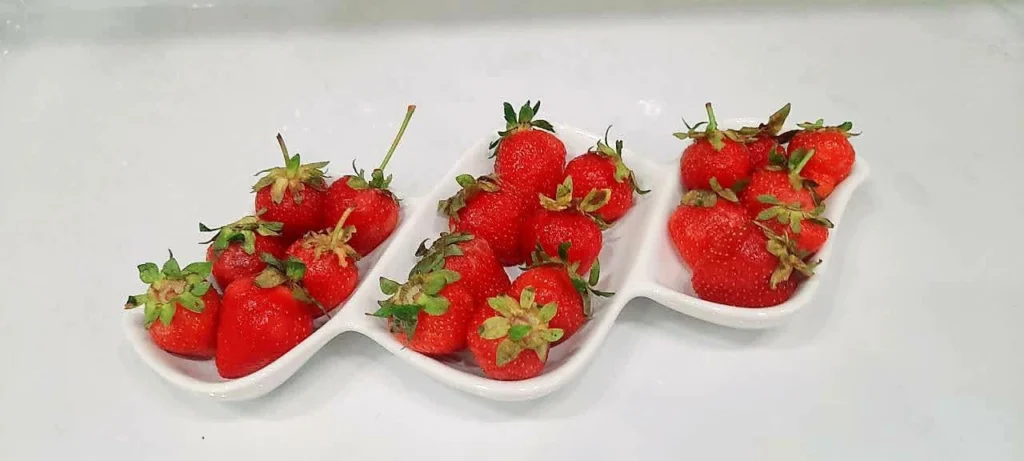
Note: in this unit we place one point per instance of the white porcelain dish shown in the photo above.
(637, 261)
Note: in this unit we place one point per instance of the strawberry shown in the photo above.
(712, 154)
(833, 154)
(763, 139)
(509, 338)
(807, 229)
(374, 209)
(782, 197)
(490, 211)
(180, 308)
(707, 222)
(758, 274)
(236, 248)
(782, 179)
(555, 281)
(262, 318)
(480, 272)
(428, 314)
(602, 168)
(566, 220)
(292, 195)
(529, 157)
(331, 274)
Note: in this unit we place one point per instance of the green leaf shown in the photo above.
(552, 334)
(191, 302)
(294, 269)
(171, 268)
(148, 273)
(543, 124)
(526, 297)
(151, 314)
(547, 312)
(595, 199)
(248, 241)
(200, 289)
(388, 286)
(465, 180)
(595, 273)
(385, 309)
(510, 114)
(768, 213)
(433, 305)
(795, 224)
(503, 304)
(167, 313)
(542, 351)
(201, 269)
(769, 199)
(518, 332)
(433, 283)
(269, 278)
(494, 328)
(136, 301)
(507, 352)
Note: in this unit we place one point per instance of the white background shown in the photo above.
(121, 129)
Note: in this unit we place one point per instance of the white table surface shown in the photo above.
(121, 129)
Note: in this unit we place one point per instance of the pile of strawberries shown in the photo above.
(534, 210)
(287, 264)
(751, 219)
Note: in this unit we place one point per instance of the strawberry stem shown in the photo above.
(401, 131)
(712, 123)
(284, 148)
(338, 233)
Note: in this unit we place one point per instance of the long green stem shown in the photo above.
(401, 131)
(284, 148)
(712, 123)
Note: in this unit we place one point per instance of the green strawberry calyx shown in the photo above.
(243, 232)
(711, 132)
(791, 214)
(334, 242)
(584, 286)
(294, 176)
(622, 172)
(794, 165)
(288, 273)
(588, 205)
(790, 258)
(770, 128)
(377, 179)
(708, 198)
(432, 258)
(470, 187)
(523, 121)
(169, 287)
(420, 293)
(520, 325)
(819, 125)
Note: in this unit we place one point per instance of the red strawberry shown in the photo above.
(331, 273)
(374, 207)
(429, 314)
(833, 154)
(602, 168)
(758, 274)
(559, 283)
(763, 139)
(292, 195)
(262, 319)
(529, 157)
(487, 209)
(780, 196)
(713, 154)
(510, 339)
(564, 220)
(236, 248)
(480, 272)
(781, 179)
(707, 223)
(807, 229)
(181, 309)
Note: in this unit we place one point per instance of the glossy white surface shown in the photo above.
(117, 133)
